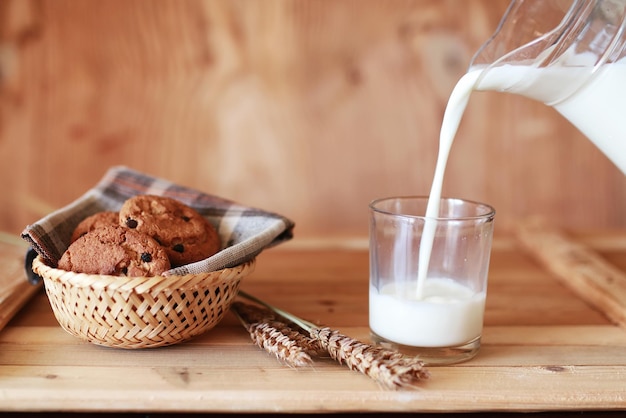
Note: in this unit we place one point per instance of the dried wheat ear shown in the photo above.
(293, 341)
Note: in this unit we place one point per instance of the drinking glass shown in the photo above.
(428, 276)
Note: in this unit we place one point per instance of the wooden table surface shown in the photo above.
(545, 347)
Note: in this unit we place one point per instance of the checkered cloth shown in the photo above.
(244, 231)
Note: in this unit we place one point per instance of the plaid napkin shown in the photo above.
(244, 231)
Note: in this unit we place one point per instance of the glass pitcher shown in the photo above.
(568, 54)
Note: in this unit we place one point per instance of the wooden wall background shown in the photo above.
(309, 108)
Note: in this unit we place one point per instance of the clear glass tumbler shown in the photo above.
(435, 312)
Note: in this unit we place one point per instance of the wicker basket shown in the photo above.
(140, 312)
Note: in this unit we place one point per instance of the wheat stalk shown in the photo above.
(273, 336)
(391, 369)
(252, 315)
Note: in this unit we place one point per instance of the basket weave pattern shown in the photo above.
(140, 312)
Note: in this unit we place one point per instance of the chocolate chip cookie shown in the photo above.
(185, 234)
(94, 221)
(115, 250)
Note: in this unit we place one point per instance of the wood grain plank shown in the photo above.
(235, 351)
(15, 290)
(205, 388)
(578, 267)
(538, 353)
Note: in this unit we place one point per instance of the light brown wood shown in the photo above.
(544, 348)
(15, 291)
(581, 269)
(307, 108)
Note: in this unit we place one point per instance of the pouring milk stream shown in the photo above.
(576, 66)
(587, 86)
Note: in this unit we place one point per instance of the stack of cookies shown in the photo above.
(148, 236)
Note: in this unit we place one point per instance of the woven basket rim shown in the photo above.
(102, 281)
